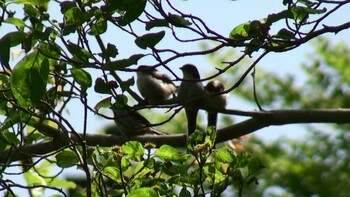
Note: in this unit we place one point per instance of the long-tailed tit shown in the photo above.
(153, 85)
(188, 92)
(214, 101)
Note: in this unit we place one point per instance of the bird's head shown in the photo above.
(190, 71)
(215, 86)
(145, 69)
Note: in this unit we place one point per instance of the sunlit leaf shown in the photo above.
(169, 153)
(66, 159)
(144, 191)
(29, 79)
(133, 149)
(112, 173)
(15, 21)
(224, 155)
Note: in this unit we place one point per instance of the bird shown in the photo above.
(154, 85)
(131, 123)
(214, 101)
(190, 90)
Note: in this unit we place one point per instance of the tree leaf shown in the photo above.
(66, 159)
(29, 79)
(99, 27)
(133, 9)
(82, 77)
(104, 103)
(133, 149)
(112, 173)
(32, 2)
(285, 34)
(224, 155)
(178, 21)
(123, 63)
(9, 138)
(78, 52)
(143, 191)
(6, 42)
(15, 21)
(169, 153)
(101, 86)
(157, 23)
(149, 40)
(111, 51)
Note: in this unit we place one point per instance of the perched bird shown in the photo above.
(214, 101)
(131, 123)
(190, 90)
(153, 85)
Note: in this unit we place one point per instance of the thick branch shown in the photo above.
(259, 120)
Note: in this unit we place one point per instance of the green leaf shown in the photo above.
(143, 191)
(56, 182)
(112, 173)
(178, 21)
(82, 77)
(15, 21)
(123, 63)
(6, 42)
(73, 16)
(99, 27)
(157, 23)
(9, 138)
(184, 192)
(29, 79)
(272, 18)
(66, 159)
(149, 40)
(41, 3)
(78, 52)
(33, 178)
(285, 34)
(169, 153)
(224, 155)
(210, 136)
(51, 50)
(104, 103)
(302, 13)
(133, 9)
(248, 30)
(133, 149)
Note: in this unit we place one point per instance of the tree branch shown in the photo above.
(259, 120)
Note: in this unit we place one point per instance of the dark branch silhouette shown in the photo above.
(259, 120)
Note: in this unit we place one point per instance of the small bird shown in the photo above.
(214, 101)
(131, 123)
(190, 90)
(153, 85)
